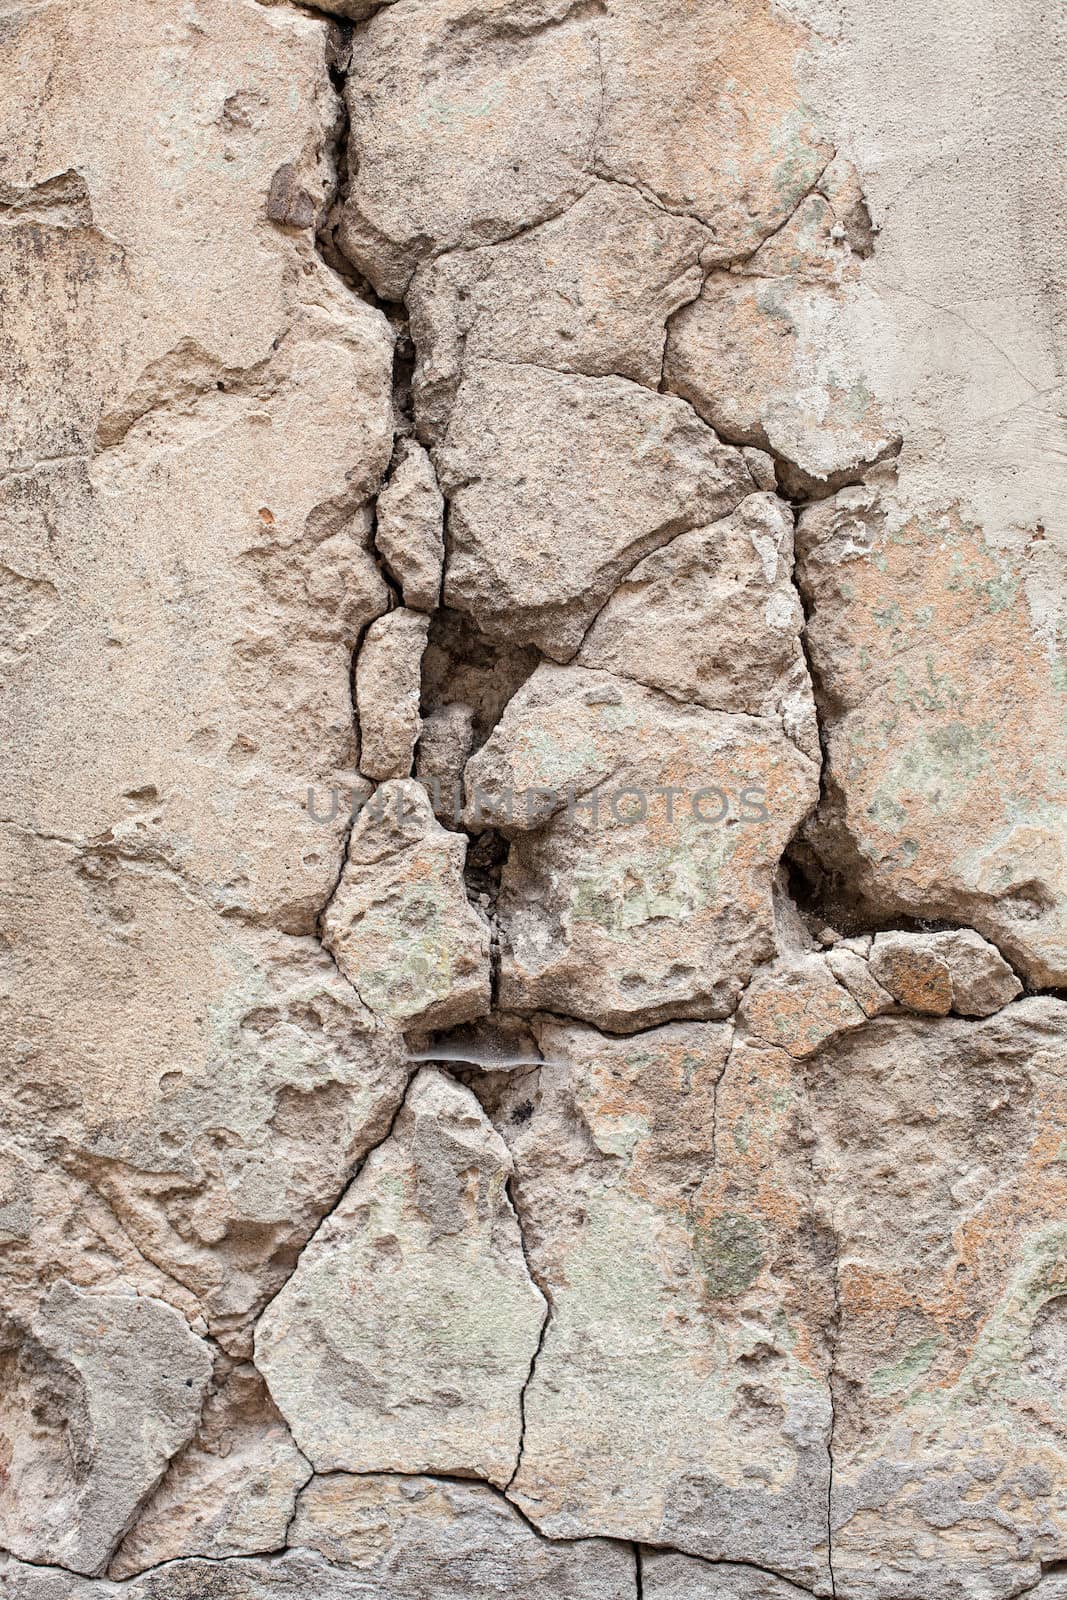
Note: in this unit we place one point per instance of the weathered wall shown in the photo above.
(534, 930)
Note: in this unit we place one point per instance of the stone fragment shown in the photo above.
(938, 1165)
(713, 619)
(210, 1084)
(937, 661)
(705, 111)
(798, 1005)
(231, 1492)
(409, 532)
(444, 746)
(292, 1575)
(432, 1539)
(913, 971)
(400, 925)
(851, 969)
(589, 292)
(559, 485)
(464, 130)
(403, 1339)
(761, 466)
(101, 1391)
(388, 684)
(956, 971)
(779, 363)
(645, 891)
(665, 1205)
(668, 1576)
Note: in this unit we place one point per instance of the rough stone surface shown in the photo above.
(405, 1335)
(436, 1539)
(408, 532)
(626, 1157)
(946, 777)
(622, 921)
(231, 1491)
(558, 485)
(100, 1391)
(666, 1203)
(400, 926)
(388, 683)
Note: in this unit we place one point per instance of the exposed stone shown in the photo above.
(444, 746)
(589, 292)
(400, 925)
(466, 129)
(936, 670)
(704, 109)
(851, 969)
(798, 1005)
(430, 1539)
(668, 1576)
(779, 363)
(100, 1392)
(212, 1083)
(231, 1492)
(404, 1337)
(409, 532)
(713, 619)
(938, 1161)
(623, 920)
(559, 485)
(666, 1210)
(941, 972)
(388, 684)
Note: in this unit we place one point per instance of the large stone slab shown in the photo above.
(944, 698)
(666, 1204)
(185, 1095)
(404, 1337)
(938, 1165)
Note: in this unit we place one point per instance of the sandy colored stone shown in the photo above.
(200, 412)
(941, 972)
(589, 292)
(400, 925)
(943, 800)
(434, 1539)
(209, 1084)
(704, 108)
(798, 1005)
(938, 1164)
(559, 485)
(779, 363)
(444, 746)
(464, 130)
(100, 1392)
(409, 526)
(404, 1337)
(630, 922)
(713, 619)
(851, 969)
(667, 1576)
(388, 683)
(232, 1491)
(665, 1203)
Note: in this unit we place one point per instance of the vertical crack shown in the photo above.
(545, 1321)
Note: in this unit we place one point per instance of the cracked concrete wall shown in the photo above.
(535, 827)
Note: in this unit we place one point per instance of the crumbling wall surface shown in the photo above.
(534, 918)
